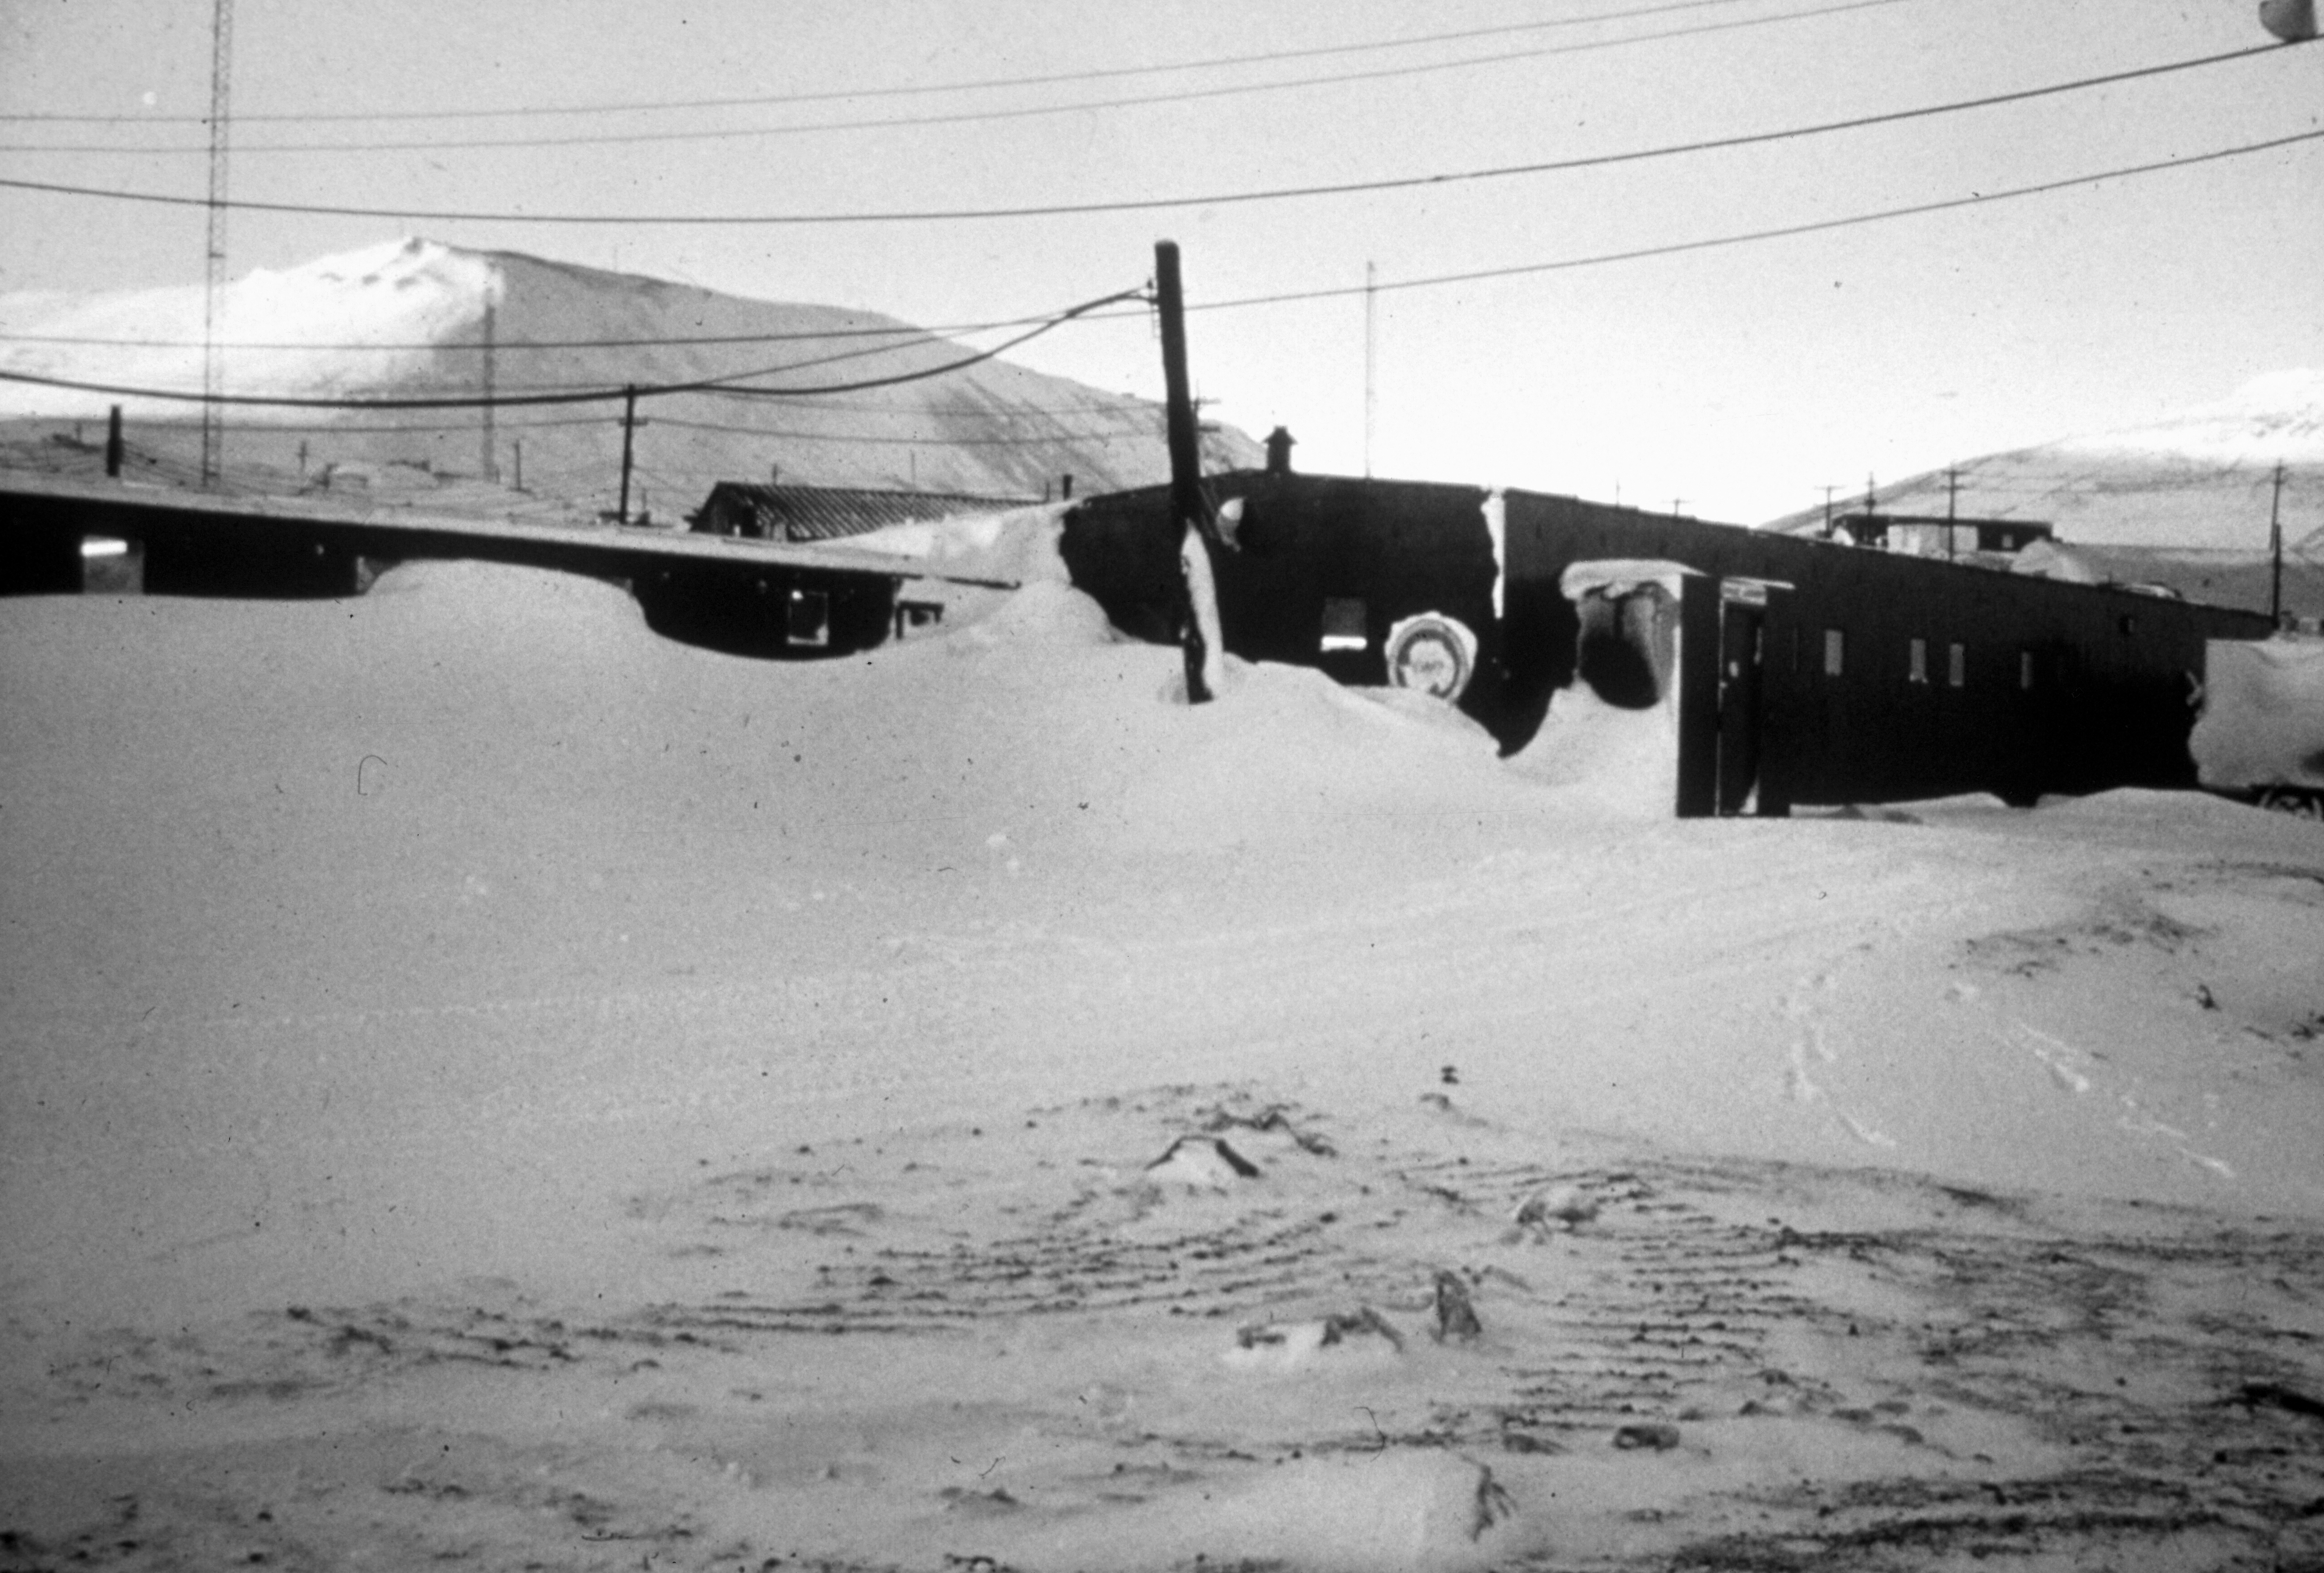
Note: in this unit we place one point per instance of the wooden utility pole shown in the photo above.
(629, 430)
(2275, 550)
(1205, 659)
(1952, 497)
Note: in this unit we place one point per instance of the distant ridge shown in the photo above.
(417, 312)
(2199, 480)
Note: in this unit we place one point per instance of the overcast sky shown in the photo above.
(1741, 379)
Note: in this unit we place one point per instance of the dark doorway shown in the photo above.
(1742, 650)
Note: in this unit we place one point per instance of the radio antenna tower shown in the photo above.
(213, 369)
(1371, 353)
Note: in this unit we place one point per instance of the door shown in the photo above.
(1742, 646)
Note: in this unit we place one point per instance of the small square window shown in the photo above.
(1345, 623)
(1919, 672)
(1957, 666)
(1835, 648)
(916, 617)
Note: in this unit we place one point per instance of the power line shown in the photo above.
(504, 347)
(1783, 232)
(1226, 198)
(859, 439)
(1094, 308)
(830, 95)
(1129, 408)
(720, 386)
(414, 428)
(965, 117)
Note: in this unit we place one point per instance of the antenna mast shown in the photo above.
(1372, 349)
(213, 369)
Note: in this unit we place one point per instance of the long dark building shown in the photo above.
(1810, 671)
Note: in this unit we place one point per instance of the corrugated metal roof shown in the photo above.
(801, 513)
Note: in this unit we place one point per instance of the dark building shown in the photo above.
(1937, 536)
(1810, 671)
(810, 513)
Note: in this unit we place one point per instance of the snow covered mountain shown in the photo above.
(2202, 479)
(417, 319)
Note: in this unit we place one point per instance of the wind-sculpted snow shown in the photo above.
(955, 1346)
(482, 1085)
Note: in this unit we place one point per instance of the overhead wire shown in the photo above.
(1052, 78)
(965, 117)
(1780, 232)
(1211, 200)
(860, 439)
(504, 346)
(1137, 413)
(1095, 307)
(724, 387)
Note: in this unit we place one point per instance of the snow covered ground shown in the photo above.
(485, 1087)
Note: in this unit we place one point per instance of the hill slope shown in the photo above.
(412, 320)
(2200, 479)
(2183, 501)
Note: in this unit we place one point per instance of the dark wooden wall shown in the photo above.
(2112, 670)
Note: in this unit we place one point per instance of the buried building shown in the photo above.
(1800, 671)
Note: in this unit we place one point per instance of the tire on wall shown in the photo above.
(1432, 653)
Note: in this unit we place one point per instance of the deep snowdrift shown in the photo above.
(394, 982)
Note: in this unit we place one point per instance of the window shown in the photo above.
(1345, 619)
(1919, 672)
(1957, 666)
(2026, 670)
(1835, 648)
(916, 617)
(810, 618)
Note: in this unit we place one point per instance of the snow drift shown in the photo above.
(479, 1079)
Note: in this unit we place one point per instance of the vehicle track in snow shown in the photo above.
(1759, 1366)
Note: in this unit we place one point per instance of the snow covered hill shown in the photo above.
(2201, 479)
(417, 319)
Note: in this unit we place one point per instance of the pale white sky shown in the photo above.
(1740, 379)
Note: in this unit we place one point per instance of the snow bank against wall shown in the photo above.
(2262, 719)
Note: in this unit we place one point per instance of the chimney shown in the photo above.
(1278, 452)
(1065, 491)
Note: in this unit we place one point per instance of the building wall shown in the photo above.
(1304, 542)
(2111, 671)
